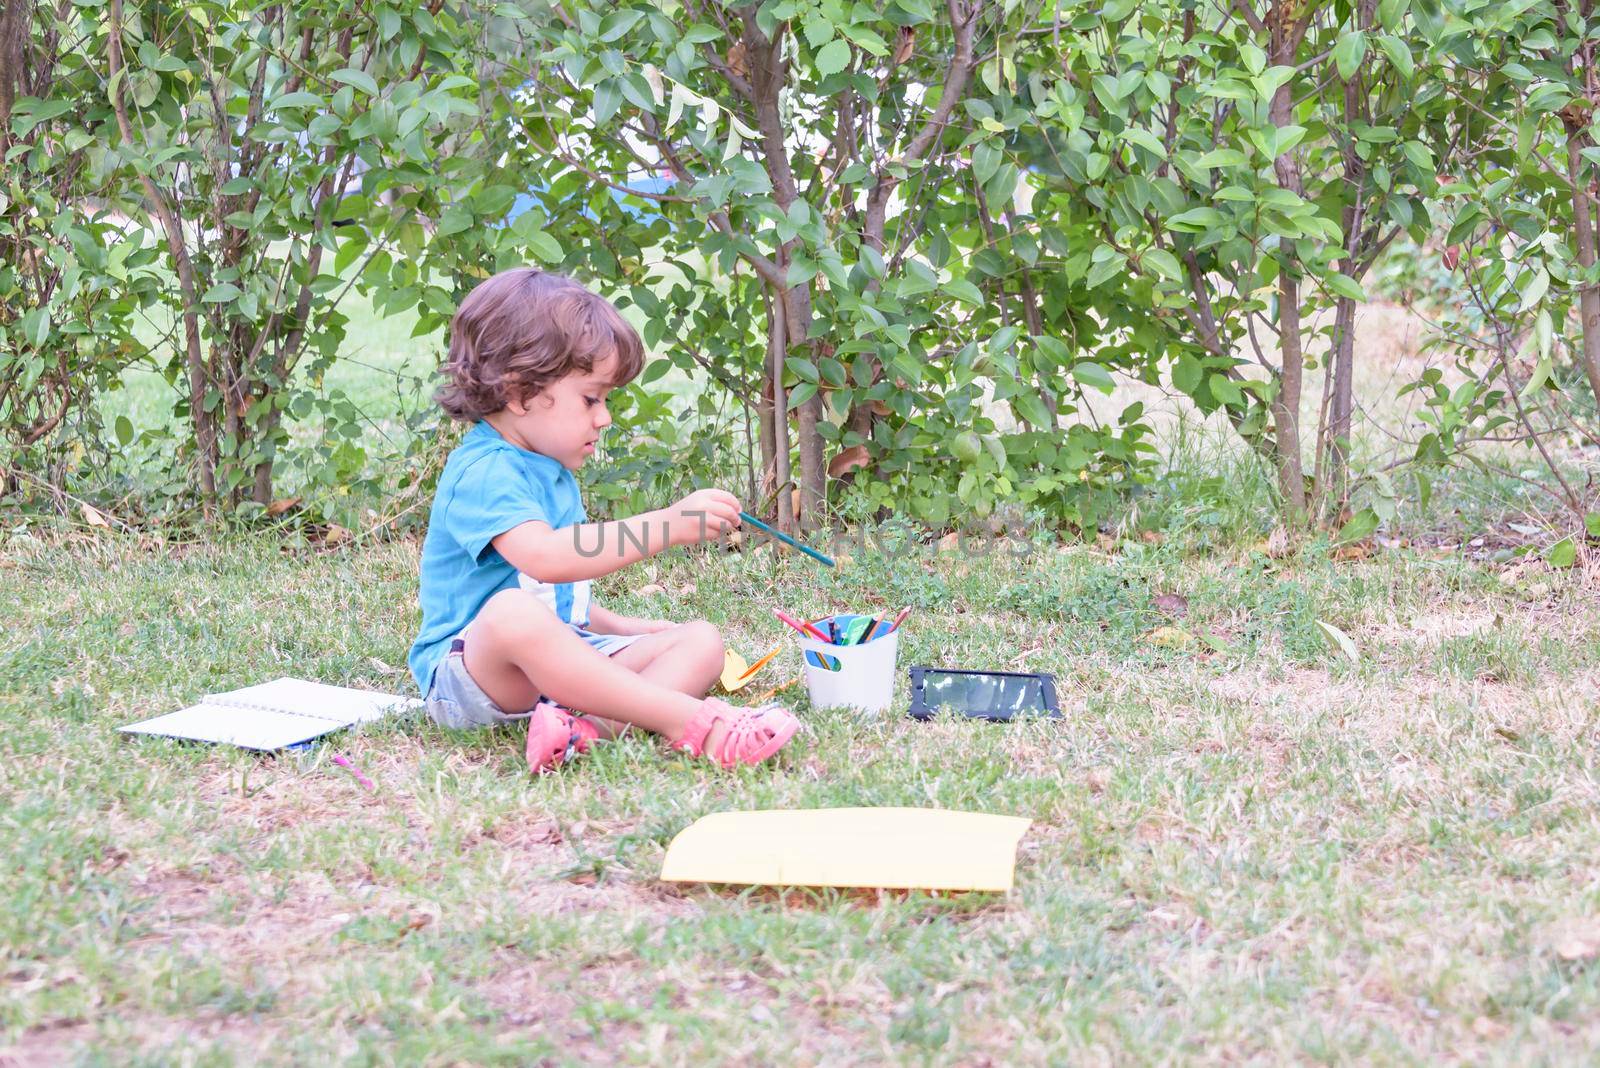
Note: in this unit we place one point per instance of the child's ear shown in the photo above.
(520, 405)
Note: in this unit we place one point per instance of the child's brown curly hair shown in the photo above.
(521, 330)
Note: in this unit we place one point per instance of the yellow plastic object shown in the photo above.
(889, 848)
(736, 673)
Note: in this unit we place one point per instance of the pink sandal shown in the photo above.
(555, 735)
(753, 735)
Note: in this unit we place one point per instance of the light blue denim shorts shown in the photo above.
(456, 701)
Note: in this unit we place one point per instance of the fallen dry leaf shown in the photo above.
(650, 589)
(1170, 637)
(950, 543)
(1488, 1029)
(1358, 550)
(336, 535)
(736, 60)
(848, 460)
(282, 505)
(95, 517)
(1174, 604)
(1277, 543)
(905, 44)
(1577, 939)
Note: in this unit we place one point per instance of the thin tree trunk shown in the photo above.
(765, 56)
(15, 17)
(1286, 405)
(204, 425)
(777, 349)
(1583, 232)
(767, 419)
(1333, 466)
(1333, 483)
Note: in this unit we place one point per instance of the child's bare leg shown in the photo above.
(518, 650)
(688, 658)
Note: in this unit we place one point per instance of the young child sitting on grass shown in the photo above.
(509, 630)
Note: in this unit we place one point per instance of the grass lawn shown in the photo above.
(1246, 844)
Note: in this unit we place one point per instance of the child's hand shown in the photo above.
(703, 515)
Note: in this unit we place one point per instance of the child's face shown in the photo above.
(564, 420)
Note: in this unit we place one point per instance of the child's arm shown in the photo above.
(575, 553)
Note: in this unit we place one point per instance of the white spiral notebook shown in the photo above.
(272, 715)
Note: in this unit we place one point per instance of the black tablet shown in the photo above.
(991, 695)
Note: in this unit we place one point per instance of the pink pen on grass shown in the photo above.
(351, 768)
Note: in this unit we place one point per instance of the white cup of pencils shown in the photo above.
(850, 659)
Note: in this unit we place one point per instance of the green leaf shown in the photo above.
(1032, 408)
(357, 79)
(1339, 641)
(1591, 523)
(616, 25)
(1004, 338)
(36, 327)
(964, 291)
(543, 246)
(1536, 381)
(1222, 157)
(1399, 54)
(800, 394)
(833, 57)
(1344, 286)
(1094, 376)
(1196, 220)
(1225, 390)
(1164, 262)
(986, 159)
(1536, 289)
(220, 293)
(607, 99)
(804, 370)
(1187, 373)
(1349, 52)
(1145, 140)
(1361, 525)
(801, 271)
(1562, 554)
(865, 39)
(638, 92)
(124, 430)
(1268, 81)
(301, 99)
(454, 220)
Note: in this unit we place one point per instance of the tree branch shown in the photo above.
(957, 74)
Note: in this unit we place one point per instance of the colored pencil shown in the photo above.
(899, 619)
(803, 628)
(351, 768)
(759, 664)
(781, 536)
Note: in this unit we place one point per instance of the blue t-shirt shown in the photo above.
(488, 486)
